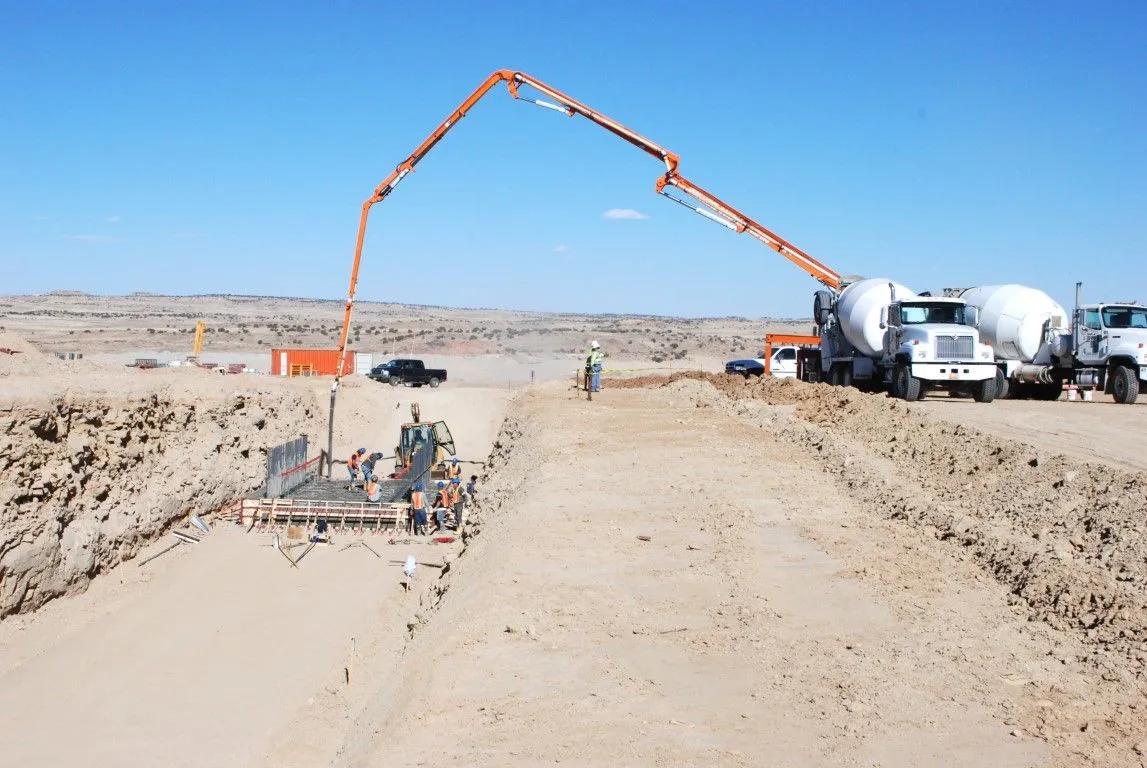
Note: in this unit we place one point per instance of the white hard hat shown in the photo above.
(593, 344)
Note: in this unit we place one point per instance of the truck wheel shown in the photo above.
(1002, 384)
(984, 391)
(904, 384)
(434, 383)
(394, 382)
(1124, 384)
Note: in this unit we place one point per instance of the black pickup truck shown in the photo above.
(412, 372)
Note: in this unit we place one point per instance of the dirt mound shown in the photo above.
(1067, 538)
(89, 480)
(25, 359)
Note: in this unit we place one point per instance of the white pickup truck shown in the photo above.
(782, 366)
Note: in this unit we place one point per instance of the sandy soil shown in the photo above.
(728, 638)
(1101, 430)
(697, 571)
(245, 328)
(770, 618)
(199, 657)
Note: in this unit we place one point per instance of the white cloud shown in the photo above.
(624, 214)
(112, 219)
(561, 248)
(91, 238)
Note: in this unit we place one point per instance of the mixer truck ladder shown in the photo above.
(685, 192)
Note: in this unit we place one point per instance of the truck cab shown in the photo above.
(932, 342)
(876, 334)
(1112, 338)
(783, 363)
(406, 371)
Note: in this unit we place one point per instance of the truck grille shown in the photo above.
(954, 347)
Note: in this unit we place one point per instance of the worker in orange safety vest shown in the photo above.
(353, 464)
(454, 470)
(418, 508)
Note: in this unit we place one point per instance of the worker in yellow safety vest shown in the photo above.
(593, 365)
(454, 470)
(456, 502)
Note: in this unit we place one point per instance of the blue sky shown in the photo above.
(222, 147)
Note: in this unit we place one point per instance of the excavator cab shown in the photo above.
(433, 436)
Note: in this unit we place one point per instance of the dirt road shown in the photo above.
(769, 619)
(728, 638)
(1101, 430)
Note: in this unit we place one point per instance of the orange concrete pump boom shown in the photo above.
(708, 205)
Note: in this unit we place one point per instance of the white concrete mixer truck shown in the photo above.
(877, 334)
(1038, 348)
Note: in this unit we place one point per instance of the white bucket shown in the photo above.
(1071, 394)
(1087, 393)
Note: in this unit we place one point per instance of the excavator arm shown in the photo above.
(691, 196)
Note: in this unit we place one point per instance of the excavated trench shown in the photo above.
(88, 481)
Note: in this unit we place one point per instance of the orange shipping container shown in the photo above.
(309, 362)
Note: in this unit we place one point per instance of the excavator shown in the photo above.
(435, 435)
(671, 184)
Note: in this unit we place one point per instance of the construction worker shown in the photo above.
(372, 489)
(418, 510)
(442, 505)
(454, 471)
(456, 501)
(472, 489)
(353, 464)
(593, 363)
(368, 464)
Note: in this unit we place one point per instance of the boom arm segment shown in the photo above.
(708, 205)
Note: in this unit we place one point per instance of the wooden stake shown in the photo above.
(157, 554)
(305, 551)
